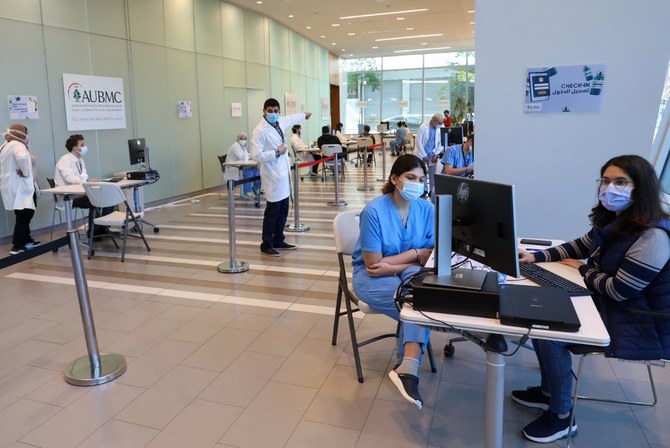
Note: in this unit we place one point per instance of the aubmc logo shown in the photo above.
(78, 94)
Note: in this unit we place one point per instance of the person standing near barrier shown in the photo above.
(71, 170)
(269, 150)
(428, 147)
(17, 185)
(238, 152)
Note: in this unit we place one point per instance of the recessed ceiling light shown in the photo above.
(259, 3)
(335, 24)
(472, 11)
(374, 48)
(333, 43)
(424, 43)
(323, 37)
(290, 16)
(308, 27)
(351, 34)
(421, 49)
(344, 49)
(408, 37)
(473, 31)
(400, 18)
(472, 23)
(390, 13)
(409, 28)
(351, 54)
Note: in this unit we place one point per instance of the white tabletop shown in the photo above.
(78, 189)
(241, 163)
(308, 150)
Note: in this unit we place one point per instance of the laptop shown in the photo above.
(539, 307)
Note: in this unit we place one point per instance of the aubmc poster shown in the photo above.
(93, 102)
(569, 88)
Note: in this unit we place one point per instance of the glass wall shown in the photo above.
(408, 88)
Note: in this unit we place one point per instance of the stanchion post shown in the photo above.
(337, 202)
(232, 266)
(94, 368)
(365, 186)
(383, 161)
(296, 226)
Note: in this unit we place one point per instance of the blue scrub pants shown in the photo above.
(251, 186)
(378, 293)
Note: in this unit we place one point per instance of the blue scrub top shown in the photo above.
(382, 229)
(454, 157)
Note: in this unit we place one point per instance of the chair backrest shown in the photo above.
(51, 182)
(346, 229)
(103, 194)
(329, 150)
(222, 160)
(363, 142)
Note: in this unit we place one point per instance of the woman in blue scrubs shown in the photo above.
(396, 238)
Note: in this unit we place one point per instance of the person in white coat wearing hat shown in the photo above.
(269, 150)
(17, 185)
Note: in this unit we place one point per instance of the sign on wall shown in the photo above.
(23, 107)
(184, 109)
(236, 109)
(93, 102)
(325, 109)
(570, 88)
(290, 103)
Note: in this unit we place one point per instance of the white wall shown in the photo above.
(554, 159)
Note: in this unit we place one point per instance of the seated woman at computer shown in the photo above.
(71, 170)
(396, 238)
(459, 160)
(627, 252)
(238, 152)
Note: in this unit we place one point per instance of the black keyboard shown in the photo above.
(543, 277)
(114, 179)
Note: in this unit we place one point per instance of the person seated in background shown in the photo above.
(326, 138)
(343, 140)
(400, 134)
(71, 170)
(396, 238)
(447, 119)
(627, 268)
(239, 152)
(366, 134)
(459, 160)
(298, 146)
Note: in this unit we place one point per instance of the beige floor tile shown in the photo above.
(156, 362)
(200, 425)
(205, 325)
(26, 352)
(117, 434)
(342, 401)
(309, 364)
(183, 313)
(15, 386)
(157, 406)
(135, 316)
(395, 425)
(21, 417)
(24, 313)
(57, 392)
(222, 349)
(143, 338)
(239, 384)
(311, 434)
(72, 328)
(284, 335)
(277, 410)
(24, 331)
(82, 418)
(249, 321)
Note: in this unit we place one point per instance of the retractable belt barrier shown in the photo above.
(365, 186)
(297, 226)
(94, 368)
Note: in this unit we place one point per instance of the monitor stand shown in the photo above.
(472, 279)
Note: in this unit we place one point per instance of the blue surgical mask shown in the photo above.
(614, 198)
(411, 190)
(83, 151)
(272, 118)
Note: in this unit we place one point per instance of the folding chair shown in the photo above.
(331, 150)
(60, 208)
(105, 194)
(347, 230)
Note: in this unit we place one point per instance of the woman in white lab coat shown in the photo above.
(17, 185)
(238, 152)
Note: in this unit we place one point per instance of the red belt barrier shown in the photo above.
(316, 162)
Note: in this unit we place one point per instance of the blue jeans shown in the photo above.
(378, 293)
(397, 142)
(555, 366)
(251, 186)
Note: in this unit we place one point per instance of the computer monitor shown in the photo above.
(361, 129)
(451, 136)
(137, 149)
(383, 126)
(476, 219)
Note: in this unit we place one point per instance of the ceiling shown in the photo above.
(356, 37)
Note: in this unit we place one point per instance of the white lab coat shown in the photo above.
(297, 145)
(17, 191)
(70, 170)
(422, 139)
(236, 153)
(275, 171)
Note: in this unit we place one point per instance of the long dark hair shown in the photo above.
(403, 164)
(646, 209)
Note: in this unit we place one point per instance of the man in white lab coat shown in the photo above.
(17, 185)
(428, 146)
(269, 150)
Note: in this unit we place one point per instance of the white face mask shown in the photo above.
(243, 143)
(83, 151)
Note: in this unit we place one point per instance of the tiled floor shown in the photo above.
(244, 360)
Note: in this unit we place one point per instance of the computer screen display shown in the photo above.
(483, 221)
(451, 136)
(361, 129)
(136, 148)
(383, 126)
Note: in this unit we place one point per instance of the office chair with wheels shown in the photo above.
(346, 230)
(222, 160)
(588, 350)
(105, 194)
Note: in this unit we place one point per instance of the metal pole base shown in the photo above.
(381, 180)
(293, 228)
(80, 372)
(337, 204)
(238, 266)
(365, 188)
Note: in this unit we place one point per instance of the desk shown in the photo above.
(240, 165)
(592, 332)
